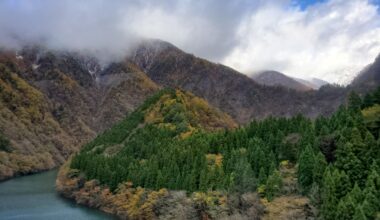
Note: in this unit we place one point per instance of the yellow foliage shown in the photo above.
(67, 81)
(198, 114)
(17, 93)
(371, 114)
(214, 160)
(261, 189)
(209, 199)
(188, 133)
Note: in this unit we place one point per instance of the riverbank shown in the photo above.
(34, 197)
(128, 202)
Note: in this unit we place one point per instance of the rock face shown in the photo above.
(274, 78)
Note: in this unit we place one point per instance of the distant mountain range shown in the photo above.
(274, 78)
(51, 102)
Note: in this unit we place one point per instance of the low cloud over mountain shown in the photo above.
(331, 40)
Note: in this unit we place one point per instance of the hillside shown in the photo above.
(225, 88)
(274, 78)
(51, 104)
(166, 161)
(78, 97)
(369, 78)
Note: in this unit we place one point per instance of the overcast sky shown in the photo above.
(327, 39)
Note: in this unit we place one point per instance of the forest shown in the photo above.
(337, 158)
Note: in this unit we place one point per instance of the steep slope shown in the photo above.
(161, 163)
(35, 139)
(369, 78)
(52, 102)
(229, 90)
(119, 168)
(274, 78)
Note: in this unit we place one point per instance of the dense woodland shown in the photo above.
(337, 157)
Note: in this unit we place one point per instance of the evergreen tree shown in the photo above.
(328, 196)
(354, 101)
(348, 162)
(262, 176)
(359, 214)
(345, 209)
(306, 168)
(273, 186)
(320, 165)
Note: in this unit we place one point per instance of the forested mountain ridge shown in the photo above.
(52, 102)
(227, 89)
(335, 159)
(80, 96)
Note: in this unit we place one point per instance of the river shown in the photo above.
(34, 197)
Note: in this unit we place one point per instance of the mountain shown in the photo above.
(225, 88)
(369, 78)
(176, 157)
(274, 78)
(161, 139)
(52, 102)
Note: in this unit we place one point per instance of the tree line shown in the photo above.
(338, 158)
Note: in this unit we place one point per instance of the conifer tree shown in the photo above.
(262, 176)
(345, 208)
(273, 185)
(306, 168)
(320, 165)
(359, 214)
(328, 196)
(354, 101)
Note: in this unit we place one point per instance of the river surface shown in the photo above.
(34, 198)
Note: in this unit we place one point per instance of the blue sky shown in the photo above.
(305, 3)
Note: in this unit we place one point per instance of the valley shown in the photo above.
(162, 134)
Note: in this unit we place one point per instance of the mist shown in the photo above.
(330, 40)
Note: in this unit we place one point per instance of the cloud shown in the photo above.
(204, 27)
(329, 40)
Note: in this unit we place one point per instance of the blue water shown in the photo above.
(34, 198)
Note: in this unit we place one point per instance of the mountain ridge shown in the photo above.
(81, 97)
(274, 78)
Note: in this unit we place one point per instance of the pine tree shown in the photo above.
(320, 165)
(342, 183)
(348, 162)
(262, 176)
(328, 196)
(306, 168)
(356, 194)
(354, 101)
(359, 214)
(345, 209)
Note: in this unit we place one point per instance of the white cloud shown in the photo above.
(331, 41)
